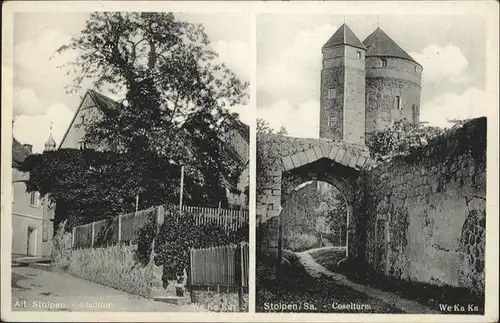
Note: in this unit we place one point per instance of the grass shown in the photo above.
(308, 294)
(429, 295)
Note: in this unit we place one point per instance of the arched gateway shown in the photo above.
(286, 162)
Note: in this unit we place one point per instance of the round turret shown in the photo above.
(393, 83)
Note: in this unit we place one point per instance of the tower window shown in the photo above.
(397, 102)
(331, 121)
(384, 63)
(415, 114)
(332, 93)
(35, 199)
(416, 69)
(82, 119)
(82, 144)
(359, 54)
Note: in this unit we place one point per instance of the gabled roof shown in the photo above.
(99, 99)
(19, 153)
(344, 36)
(380, 44)
(102, 100)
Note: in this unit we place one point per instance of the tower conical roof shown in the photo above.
(344, 36)
(380, 44)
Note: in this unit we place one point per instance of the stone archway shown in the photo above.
(297, 160)
(342, 178)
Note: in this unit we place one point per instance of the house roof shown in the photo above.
(99, 99)
(380, 44)
(19, 153)
(102, 100)
(105, 102)
(344, 36)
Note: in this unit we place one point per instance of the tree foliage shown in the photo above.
(177, 237)
(266, 153)
(89, 185)
(400, 139)
(168, 71)
(173, 110)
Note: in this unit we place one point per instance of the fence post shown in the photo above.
(93, 234)
(239, 278)
(119, 229)
(73, 238)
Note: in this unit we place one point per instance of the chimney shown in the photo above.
(28, 147)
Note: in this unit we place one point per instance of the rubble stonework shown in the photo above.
(432, 201)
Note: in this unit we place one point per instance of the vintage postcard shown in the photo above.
(249, 161)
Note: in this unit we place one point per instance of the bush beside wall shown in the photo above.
(114, 266)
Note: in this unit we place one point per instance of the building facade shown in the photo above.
(366, 86)
(32, 215)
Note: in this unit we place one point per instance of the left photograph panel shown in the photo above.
(130, 162)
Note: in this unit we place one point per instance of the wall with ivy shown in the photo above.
(424, 213)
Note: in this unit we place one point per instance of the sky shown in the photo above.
(39, 84)
(451, 49)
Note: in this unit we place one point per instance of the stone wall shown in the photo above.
(115, 267)
(399, 78)
(424, 213)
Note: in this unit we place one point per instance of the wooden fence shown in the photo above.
(124, 228)
(227, 219)
(223, 266)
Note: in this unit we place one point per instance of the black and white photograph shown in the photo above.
(130, 156)
(249, 161)
(371, 163)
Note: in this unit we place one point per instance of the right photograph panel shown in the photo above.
(371, 164)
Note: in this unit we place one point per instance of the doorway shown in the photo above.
(31, 241)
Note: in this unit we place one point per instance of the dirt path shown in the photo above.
(316, 270)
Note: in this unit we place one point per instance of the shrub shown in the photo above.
(176, 236)
(296, 241)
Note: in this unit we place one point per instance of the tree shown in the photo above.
(263, 126)
(283, 131)
(400, 139)
(177, 94)
(169, 74)
(88, 185)
(174, 112)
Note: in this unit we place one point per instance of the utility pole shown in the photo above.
(181, 188)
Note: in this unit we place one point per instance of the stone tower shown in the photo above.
(393, 83)
(342, 101)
